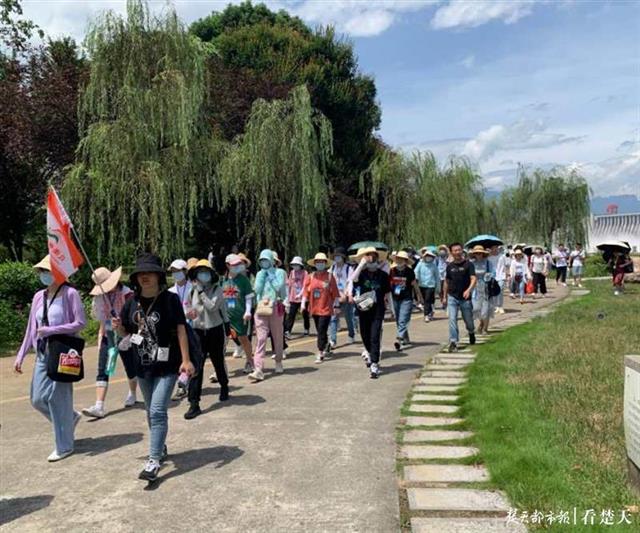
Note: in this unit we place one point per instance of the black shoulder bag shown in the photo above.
(63, 352)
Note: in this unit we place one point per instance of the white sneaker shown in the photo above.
(306, 332)
(76, 418)
(284, 354)
(256, 375)
(130, 401)
(332, 345)
(237, 353)
(427, 319)
(248, 368)
(375, 370)
(55, 456)
(319, 358)
(616, 293)
(94, 411)
(365, 354)
(279, 368)
(273, 356)
(352, 340)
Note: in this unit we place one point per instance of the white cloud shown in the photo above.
(523, 134)
(468, 61)
(470, 14)
(355, 17)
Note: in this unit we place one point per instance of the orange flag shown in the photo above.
(63, 252)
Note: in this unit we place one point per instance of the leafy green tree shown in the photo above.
(146, 160)
(274, 176)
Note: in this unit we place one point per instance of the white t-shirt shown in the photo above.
(561, 258)
(498, 266)
(538, 264)
(183, 293)
(578, 257)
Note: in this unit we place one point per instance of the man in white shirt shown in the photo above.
(561, 259)
(576, 259)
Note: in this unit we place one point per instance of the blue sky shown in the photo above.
(540, 83)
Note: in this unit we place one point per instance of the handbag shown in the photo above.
(365, 301)
(265, 308)
(493, 288)
(63, 352)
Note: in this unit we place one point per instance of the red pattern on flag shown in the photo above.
(63, 252)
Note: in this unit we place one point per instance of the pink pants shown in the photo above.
(264, 325)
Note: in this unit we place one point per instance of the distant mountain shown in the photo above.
(627, 203)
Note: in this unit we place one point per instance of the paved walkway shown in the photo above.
(311, 450)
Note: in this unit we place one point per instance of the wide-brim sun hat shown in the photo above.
(479, 249)
(382, 255)
(148, 263)
(105, 280)
(297, 260)
(518, 251)
(276, 258)
(44, 264)
(320, 257)
(233, 260)
(245, 259)
(202, 263)
(268, 255)
(402, 255)
(178, 264)
(428, 252)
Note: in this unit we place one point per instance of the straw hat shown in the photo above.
(478, 249)
(518, 251)
(44, 264)
(382, 255)
(105, 278)
(402, 255)
(297, 260)
(320, 257)
(246, 260)
(191, 262)
(202, 263)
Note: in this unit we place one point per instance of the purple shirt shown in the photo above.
(73, 313)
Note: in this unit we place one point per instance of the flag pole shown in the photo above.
(84, 253)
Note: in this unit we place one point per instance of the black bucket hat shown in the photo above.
(147, 262)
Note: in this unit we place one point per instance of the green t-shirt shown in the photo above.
(235, 291)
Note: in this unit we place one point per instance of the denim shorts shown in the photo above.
(577, 270)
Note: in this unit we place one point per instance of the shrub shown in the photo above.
(18, 283)
(12, 325)
(594, 266)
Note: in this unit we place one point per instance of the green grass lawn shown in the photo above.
(546, 403)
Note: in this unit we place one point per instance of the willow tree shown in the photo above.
(419, 202)
(146, 159)
(275, 175)
(547, 207)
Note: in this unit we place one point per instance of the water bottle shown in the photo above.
(112, 354)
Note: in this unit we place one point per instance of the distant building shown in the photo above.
(614, 227)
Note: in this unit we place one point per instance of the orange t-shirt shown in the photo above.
(321, 291)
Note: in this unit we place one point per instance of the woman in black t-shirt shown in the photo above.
(369, 278)
(153, 322)
(403, 282)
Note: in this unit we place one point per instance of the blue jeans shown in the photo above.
(403, 310)
(54, 399)
(499, 300)
(466, 308)
(157, 395)
(520, 286)
(346, 310)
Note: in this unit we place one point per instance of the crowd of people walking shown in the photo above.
(165, 322)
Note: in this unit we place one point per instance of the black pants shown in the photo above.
(291, 317)
(429, 297)
(539, 283)
(561, 274)
(212, 342)
(322, 327)
(371, 332)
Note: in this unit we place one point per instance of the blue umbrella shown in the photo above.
(484, 240)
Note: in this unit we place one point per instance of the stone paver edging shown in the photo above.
(449, 496)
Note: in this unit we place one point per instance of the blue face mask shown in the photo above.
(204, 277)
(179, 276)
(265, 264)
(372, 266)
(237, 269)
(338, 259)
(46, 278)
(320, 267)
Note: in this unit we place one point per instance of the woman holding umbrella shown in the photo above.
(482, 305)
(616, 253)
